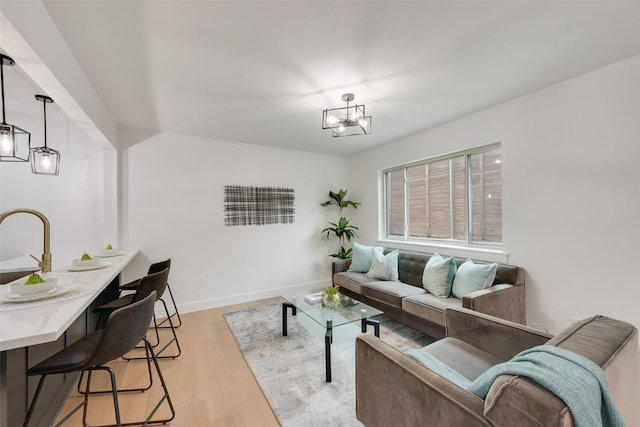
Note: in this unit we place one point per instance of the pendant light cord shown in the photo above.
(44, 108)
(4, 122)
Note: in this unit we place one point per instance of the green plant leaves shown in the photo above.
(339, 199)
(343, 254)
(342, 229)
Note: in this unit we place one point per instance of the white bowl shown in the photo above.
(104, 251)
(21, 289)
(86, 262)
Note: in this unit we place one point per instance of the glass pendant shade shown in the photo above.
(347, 121)
(14, 141)
(45, 160)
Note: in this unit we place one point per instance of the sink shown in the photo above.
(10, 276)
(16, 268)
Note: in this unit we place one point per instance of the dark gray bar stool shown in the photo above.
(125, 328)
(154, 268)
(151, 282)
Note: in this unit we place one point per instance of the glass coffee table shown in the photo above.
(330, 318)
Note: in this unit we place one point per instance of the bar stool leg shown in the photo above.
(175, 312)
(173, 339)
(164, 387)
(33, 402)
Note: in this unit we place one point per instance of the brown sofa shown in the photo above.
(408, 302)
(393, 389)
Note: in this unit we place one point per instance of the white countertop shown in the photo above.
(21, 327)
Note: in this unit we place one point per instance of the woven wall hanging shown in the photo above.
(258, 205)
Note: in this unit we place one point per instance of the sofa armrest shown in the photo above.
(339, 265)
(499, 337)
(393, 389)
(504, 301)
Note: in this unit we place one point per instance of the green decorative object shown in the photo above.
(342, 229)
(34, 279)
(331, 297)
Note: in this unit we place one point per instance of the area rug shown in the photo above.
(291, 369)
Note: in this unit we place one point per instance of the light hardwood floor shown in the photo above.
(210, 383)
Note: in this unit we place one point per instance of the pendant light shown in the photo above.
(347, 121)
(44, 160)
(14, 141)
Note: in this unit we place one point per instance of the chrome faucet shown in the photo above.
(45, 263)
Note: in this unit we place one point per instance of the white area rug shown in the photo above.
(291, 369)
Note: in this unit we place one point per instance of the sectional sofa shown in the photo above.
(394, 388)
(407, 301)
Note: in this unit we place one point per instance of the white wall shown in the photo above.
(570, 186)
(80, 203)
(172, 207)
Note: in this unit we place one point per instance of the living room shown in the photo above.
(568, 174)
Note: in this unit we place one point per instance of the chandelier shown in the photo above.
(347, 121)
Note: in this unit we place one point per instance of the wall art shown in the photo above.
(258, 205)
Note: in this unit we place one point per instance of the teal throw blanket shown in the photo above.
(576, 380)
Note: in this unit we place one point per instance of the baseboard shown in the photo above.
(241, 298)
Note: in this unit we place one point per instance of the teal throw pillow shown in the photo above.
(384, 267)
(472, 277)
(361, 260)
(438, 275)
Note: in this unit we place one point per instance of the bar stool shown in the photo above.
(125, 328)
(151, 282)
(148, 284)
(154, 268)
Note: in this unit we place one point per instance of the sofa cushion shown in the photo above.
(361, 259)
(351, 280)
(384, 267)
(389, 292)
(508, 274)
(472, 277)
(438, 275)
(462, 357)
(429, 307)
(411, 267)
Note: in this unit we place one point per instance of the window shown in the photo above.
(454, 198)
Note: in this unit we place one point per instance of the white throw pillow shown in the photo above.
(438, 275)
(384, 267)
(472, 277)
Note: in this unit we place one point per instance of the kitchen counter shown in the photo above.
(46, 322)
(32, 331)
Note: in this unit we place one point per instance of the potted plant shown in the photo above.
(341, 229)
(331, 297)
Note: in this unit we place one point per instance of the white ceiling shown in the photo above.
(262, 72)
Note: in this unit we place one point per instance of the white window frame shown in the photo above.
(468, 243)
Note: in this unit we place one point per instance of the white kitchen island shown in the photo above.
(33, 330)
